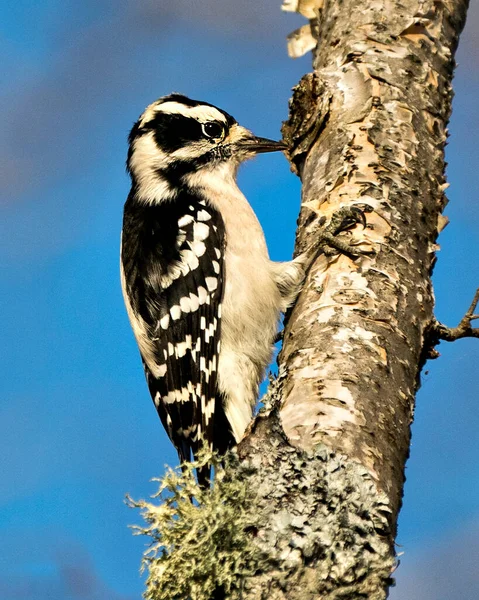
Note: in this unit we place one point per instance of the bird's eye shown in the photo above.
(213, 130)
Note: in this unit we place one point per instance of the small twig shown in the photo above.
(464, 329)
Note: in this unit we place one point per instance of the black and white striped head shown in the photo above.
(177, 138)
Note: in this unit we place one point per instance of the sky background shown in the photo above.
(77, 426)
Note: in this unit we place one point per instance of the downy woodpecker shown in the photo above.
(202, 295)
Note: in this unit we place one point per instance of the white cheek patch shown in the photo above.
(145, 159)
(192, 150)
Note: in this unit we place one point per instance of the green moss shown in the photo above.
(199, 538)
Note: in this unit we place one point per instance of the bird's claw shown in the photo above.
(347, 217)
(343, 219)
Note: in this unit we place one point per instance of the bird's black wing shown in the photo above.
(173, 270)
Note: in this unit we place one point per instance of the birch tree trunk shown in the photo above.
(326, 457)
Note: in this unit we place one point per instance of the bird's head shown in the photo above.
(177, 138)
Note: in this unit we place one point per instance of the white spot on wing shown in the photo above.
(200, 231)
(194, 302)
(170, 397)
(185, 304)
(175, 312)
(160, 371)
(185, 220)
(209, 409)
(196, 349)
(203, 215)
(202, 295)
(211, 283)
(209, 333)
(189, 261)
(165, 321)
(180, 238)
(198, 248)
(181, 349)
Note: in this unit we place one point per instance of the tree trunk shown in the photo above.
(327, 455)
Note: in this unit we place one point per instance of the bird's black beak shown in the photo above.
(258, 145)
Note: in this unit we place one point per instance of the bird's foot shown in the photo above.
(343, 219)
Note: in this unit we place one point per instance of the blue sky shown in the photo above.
(78, 428)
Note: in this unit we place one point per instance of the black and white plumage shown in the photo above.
(202, 295)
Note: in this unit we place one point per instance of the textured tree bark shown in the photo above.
(327, 455)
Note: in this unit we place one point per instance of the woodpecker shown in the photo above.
(203, 297)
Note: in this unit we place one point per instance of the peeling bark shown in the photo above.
(367, 126)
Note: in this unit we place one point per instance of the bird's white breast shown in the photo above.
(251, 300)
